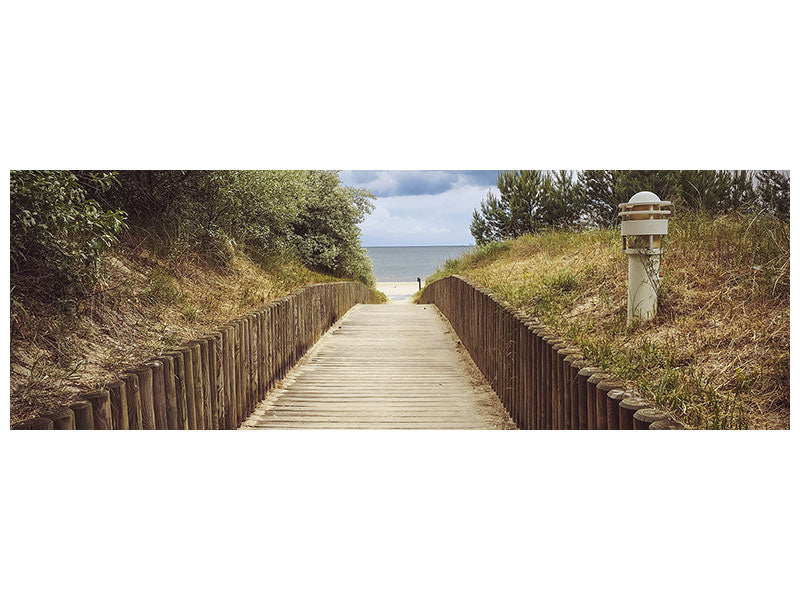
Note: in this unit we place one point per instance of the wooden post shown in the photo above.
(263, 387)
(145, 377)
(238, 366)
(134, 399)
(583, 393)
(555, 382)
(197, 381)
(83, 414)
(254, 383)
(278, 343)
(571, 389)
(544, 400)
(217, 381)
(205, 375)
(101, 408)
(613, 398)
(535, 373)
(159, 395)
(62, 418)
(644, 417)
(519, 362)
(575, 367)
(508, 361)
(188, 385)
(523, 358)
(564, 401)
(627, 408)
(238, 410)
(530, 369)
(270, 346)
(170, 391)
(541, 375)
(296, 329)
(228, 335)
(246, 372)
(608, 407)
(118, 394)
(591, 398)
(179, 383)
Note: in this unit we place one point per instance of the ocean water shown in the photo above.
(406, 263)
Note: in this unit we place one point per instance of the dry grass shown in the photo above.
(717, 355)
(144, 303)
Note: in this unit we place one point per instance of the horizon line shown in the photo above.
(417, 245)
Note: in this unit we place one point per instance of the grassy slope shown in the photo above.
(717, 355)
(144, 303)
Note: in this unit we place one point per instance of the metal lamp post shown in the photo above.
(644, 224)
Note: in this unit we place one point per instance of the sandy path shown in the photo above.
(398, 291)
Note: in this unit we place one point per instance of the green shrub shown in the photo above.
(304, 215)
(58, 232)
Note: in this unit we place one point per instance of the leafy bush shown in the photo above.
(326, 233)
(58, 232)
(308, 215)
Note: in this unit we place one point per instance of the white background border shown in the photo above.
(364, 85)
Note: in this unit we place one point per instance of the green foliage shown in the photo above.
(304, 214)
(532, 201)
(59, 232)
(773, 192)
(529, 201)
(325, 231)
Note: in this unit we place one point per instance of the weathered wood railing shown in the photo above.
(215, 381)
(543, 381)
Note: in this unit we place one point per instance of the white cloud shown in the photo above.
(423, 219)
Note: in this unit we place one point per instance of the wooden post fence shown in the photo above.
(218, 379)
(543, 381)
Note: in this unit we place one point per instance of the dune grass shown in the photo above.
(717, 354)
(147, 300)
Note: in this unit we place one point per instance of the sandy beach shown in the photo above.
(398, 291)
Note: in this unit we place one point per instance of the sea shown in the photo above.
(406, 263)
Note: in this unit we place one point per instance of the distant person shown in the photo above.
(419, 282)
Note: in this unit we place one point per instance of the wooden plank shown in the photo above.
(382, 366)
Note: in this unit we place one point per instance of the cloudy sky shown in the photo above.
(421, 208)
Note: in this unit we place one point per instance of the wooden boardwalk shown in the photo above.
(384, 366)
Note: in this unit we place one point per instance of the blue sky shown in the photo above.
(421, 208)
